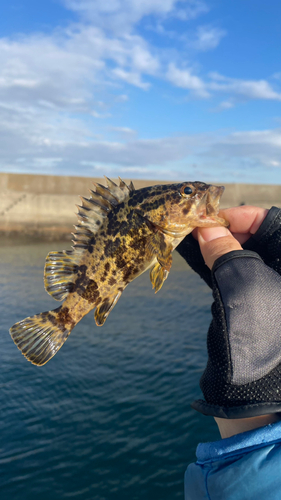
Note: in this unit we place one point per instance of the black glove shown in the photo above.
(243, 374)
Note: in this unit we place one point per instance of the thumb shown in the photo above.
(215, 242)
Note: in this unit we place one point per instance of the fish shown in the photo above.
(121, 233)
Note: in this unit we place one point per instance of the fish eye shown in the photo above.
(187, 190)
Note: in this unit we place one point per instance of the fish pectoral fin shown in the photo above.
(159, 247)
(60, 273)
(156, 244)
(41, 336)
(158, 275)
(105, 307)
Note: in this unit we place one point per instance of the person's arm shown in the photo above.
(230, 427)
(242, 380)
(215, 242)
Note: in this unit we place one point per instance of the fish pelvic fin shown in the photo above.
(39, 337)
(60, 273)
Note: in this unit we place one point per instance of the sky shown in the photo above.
(156, 89)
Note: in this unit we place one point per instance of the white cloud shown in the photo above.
(225, 105)
(262, 147)
(123, 130)
(121, 16)
(207, 38)
(121, 98)
(55, 88)
(67, 146)
(265, 137)
(183, 78)
(61, 146)
(247, 89)
(131, 77)
(75, 64)
(217, 84)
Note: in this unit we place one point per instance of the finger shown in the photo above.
(244, 219)
(241, 237)
(215, 242)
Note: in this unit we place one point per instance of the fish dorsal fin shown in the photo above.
(120, 192)
(61, 267)
(94, 210)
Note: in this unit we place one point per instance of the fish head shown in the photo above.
(176, 209)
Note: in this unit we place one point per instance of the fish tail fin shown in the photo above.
(39, 337)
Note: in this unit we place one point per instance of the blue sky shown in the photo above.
(157, 89)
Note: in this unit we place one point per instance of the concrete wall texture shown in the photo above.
(44, 205)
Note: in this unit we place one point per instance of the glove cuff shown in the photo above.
(243, 411)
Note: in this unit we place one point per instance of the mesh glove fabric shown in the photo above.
(243, 374)
(267, 240)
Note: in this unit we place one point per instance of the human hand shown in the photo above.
(243, 374)
(214, 242)
(244, 223)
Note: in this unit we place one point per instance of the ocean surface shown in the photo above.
(109, 417)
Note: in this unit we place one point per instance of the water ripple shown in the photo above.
(109, 417)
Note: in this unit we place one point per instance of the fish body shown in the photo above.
(122, 232)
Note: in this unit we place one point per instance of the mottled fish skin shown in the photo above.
(122, 232)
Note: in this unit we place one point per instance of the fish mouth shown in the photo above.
(209, 204)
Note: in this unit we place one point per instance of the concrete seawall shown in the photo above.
(44, 206)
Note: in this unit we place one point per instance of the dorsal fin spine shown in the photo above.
(100, 201)
(123, 184)
(110, 183)
(94, 210)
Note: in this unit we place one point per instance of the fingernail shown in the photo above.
(212, 233)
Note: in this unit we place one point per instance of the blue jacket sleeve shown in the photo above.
(244, 467)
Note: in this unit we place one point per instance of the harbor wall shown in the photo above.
(44, 205)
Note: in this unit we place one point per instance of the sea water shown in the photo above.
(109, 417)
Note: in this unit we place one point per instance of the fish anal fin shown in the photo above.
(60, 273)
(158, 275)
(40, 337)
(105, 307)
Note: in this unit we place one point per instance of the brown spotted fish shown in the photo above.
(121, 233)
